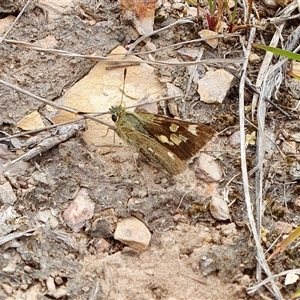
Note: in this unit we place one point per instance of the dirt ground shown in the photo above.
(193, 253)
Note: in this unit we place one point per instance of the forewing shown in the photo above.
(157, 155)
(183, 138)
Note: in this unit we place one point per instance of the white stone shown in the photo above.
(207, 169)
(214, 86)
(219, 208)
(7, 195)
(133, 233)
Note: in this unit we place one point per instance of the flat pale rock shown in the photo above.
(207, 169)
(32, 121)
(5, 23)
(208, 34)
(101, 88)
(214, 86)
(133, 233)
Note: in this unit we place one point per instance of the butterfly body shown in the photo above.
(165, 142)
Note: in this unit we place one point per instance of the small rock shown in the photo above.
(58, 280)
(5, 23)
(271, 3)
(32, 121)
(231, 3)
(133, 233)
(81, 209)
(10, 268)
(59, 293)
(18, 169)
(253, 58)
(7, 195)
(40, 177)
(50, 284)
(291, 278)
(28, 269)
(245, 280)
(161, 15)
(7, 289)
(178, 218)
(214, 86)
(173, 108)
(173, 90)
(219, 208)
(101, 245)
(178, 6)
(207, 34)
(207, 169)
(189, 54)
(289, 147)
(85, 289)
(274, 4)
(208, 266)
(48, 42)
(146, 105)
(283, 227)
(191, 11)
(47, 217)
(295, 67)
(128, 251)
(167, 5)
(295, 137)
(150, 46)
(7, 214)
(294, 170)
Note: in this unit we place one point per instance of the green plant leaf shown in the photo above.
(278, 51)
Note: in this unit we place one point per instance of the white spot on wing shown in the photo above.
(193, 129)
(174, 127)
(162, 138)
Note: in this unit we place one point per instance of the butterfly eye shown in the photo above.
(114, 117)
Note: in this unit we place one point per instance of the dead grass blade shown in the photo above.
(282, 245)
(255, 230)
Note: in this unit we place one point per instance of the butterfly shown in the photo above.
(165, 142)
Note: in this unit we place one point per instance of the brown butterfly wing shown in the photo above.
(182, 138)
(157, 155)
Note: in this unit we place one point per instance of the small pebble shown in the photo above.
(50, 284)
(7, 289)
(58, 280)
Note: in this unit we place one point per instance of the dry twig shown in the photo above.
(61, 134)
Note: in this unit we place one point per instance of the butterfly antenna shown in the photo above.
(123, 88)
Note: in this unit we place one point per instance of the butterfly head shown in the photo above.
(115, 112)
